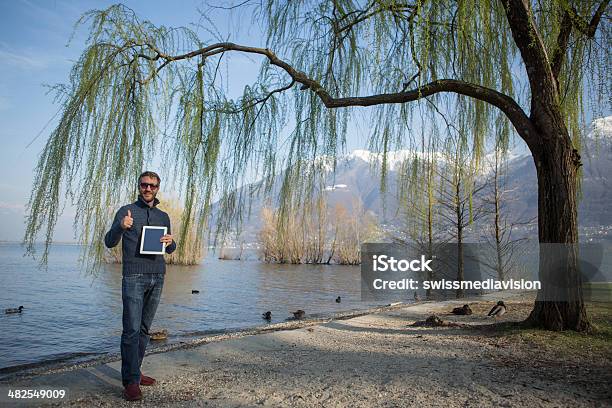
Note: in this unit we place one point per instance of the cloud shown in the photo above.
(23, 60)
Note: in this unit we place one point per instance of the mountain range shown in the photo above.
(357, 178)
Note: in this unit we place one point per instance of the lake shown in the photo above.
(69, 316)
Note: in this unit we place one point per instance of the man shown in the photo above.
(143, 278)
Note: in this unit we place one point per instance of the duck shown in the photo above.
(298, 314)
(338, 299)
(267, 315)
(498, 310)
(11, 311)
(194, 292)
(463, 310)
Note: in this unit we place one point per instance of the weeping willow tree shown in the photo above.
(526, 62)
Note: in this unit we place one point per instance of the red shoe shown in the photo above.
(144, 380)
(132, 392)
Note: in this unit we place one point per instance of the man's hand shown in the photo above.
(167, 239)
(127, 221)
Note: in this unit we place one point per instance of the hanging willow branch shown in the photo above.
(140, 92)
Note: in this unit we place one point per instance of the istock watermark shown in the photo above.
(399, 272)
(383, 263)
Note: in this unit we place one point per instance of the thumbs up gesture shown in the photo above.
(127, 221)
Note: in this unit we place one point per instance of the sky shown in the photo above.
(36, 50)
(34, 35)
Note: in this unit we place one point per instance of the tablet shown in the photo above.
(149, 241)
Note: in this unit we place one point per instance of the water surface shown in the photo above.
(70, 316)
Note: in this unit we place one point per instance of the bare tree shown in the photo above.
(459, 186)
(419, 206)
(307, 236)
(499, 230)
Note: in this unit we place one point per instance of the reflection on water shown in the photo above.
(67, 314)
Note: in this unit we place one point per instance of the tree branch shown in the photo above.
(571, 19)
(562, 42)
(505, 103)
(580, 23)
(393, 8)
(530, 44)
(255, 102)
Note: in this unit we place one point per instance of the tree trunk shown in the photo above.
(498, 243)
(559, 304)
(430, 251)
(459, 215)
(460, 274)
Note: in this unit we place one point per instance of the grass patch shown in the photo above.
(597, 344)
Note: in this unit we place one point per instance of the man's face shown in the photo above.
(148, 187)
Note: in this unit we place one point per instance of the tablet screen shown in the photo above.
(149, 243)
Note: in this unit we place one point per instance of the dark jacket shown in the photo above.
(133, 261)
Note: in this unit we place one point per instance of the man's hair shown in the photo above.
(151, 174)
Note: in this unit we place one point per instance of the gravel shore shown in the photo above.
(375, 360)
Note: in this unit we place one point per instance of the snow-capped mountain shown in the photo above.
(357, 178)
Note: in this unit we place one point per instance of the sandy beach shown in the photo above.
(377, 359)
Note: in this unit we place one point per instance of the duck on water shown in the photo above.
(12, 311)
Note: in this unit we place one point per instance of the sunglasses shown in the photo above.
(152, 186)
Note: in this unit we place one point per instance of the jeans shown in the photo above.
(141, 294)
